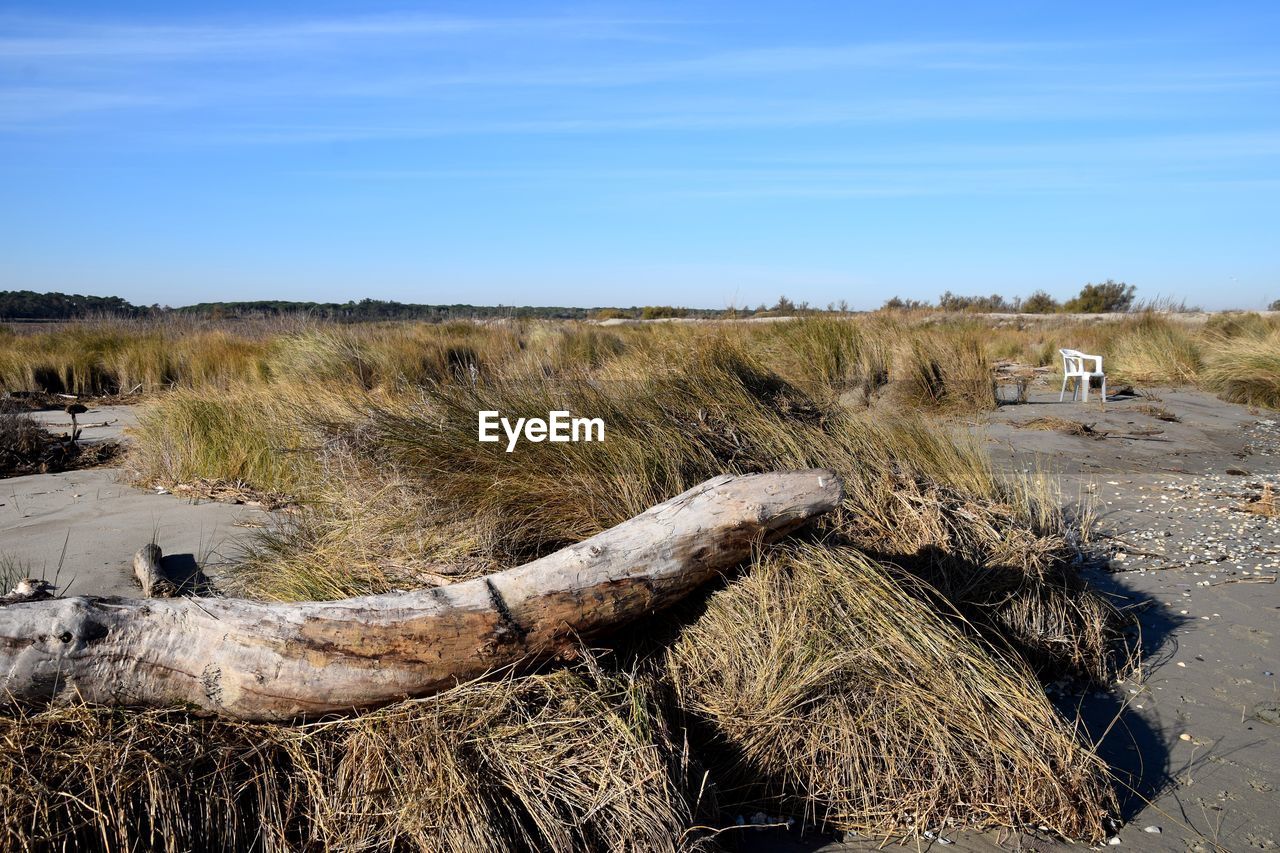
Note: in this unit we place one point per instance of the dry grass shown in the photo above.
(842, 696)
(1052, 423)
(265, 437)
(1246, 369)
(930, 360)
(117, 357)
(409, 497)
(861, 694)
(573, 760)
(1264, 504)
(1153, 349)
(946, 370)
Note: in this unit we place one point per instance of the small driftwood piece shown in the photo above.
(146, 568)
(28, 589)
(261, 661)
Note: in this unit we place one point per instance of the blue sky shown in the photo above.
(704, 154)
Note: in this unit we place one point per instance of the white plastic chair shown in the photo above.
(1073, 367)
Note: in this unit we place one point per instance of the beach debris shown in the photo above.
(224, 491)
(146, 568)
(28, 589)
(1052, 423)
(1267, 712)
(1264, 504)
(75, 409)
(1160, 413)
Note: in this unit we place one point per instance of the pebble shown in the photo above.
(1154, 830)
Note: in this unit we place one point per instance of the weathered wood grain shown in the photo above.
(253, 660)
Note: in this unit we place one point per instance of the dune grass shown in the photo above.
(1246, 368)
(396, 492)
(1153, 349)
(880, 677)
(919, 360)
(244, 435)
(843, 696)
(577, 759)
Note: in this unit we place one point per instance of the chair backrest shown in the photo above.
(1072, 361)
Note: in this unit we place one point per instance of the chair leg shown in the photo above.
(1085, 381)
(1104, 391)
(1064, 389)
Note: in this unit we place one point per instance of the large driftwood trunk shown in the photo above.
(279, 661)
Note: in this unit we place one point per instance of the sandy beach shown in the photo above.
(80, 529)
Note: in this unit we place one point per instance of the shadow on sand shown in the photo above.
(186, 574)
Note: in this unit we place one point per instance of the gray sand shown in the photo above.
(102, 522)
(80, 529)
(98, 424)
(1197, 735)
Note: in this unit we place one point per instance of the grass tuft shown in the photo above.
(573, 760)
(1246, 369)
(840, 695)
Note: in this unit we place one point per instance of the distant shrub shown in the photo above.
(1039, 303)
(1105, 298)
(995, 303)
(785, 307)
(897, 303)
(661, 312)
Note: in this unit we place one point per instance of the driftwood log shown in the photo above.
(261, 661)
(146, 568)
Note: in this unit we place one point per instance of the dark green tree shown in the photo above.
(1039, 303)
(1105, 298)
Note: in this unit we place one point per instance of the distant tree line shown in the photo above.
(378, 309)
(29, 305)
(1107, 297)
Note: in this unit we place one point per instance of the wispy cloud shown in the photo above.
(323, 80)
(208, 41)
(695, 115)
(1161, 161)
(21, 107)
(771, 62)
